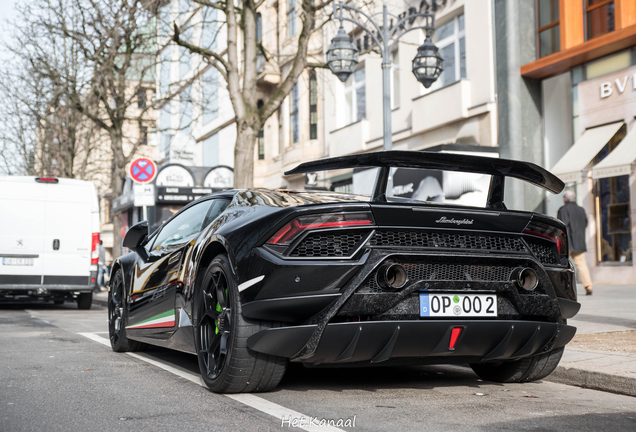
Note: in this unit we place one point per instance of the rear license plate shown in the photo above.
(458, 305)
(18, 261)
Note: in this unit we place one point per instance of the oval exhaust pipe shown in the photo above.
(391, 276)
(526, 278)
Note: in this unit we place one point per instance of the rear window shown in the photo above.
(408, 185)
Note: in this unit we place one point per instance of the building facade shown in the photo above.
(583, 75)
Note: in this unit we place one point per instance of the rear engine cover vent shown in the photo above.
(425, 239)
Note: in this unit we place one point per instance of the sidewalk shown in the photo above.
(602, 355)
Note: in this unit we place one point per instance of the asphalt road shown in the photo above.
(56, 374)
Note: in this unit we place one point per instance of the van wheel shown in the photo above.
(84, 301)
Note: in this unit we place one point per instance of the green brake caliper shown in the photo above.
(218, 309)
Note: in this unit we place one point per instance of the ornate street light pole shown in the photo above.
(342, 55)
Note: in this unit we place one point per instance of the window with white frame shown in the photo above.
(185, 110)
(395, 78)
(355, 96)
(450, 38)
(210, 28)
(210, 88)
(293, 115)
(185, 56)
(291, 18)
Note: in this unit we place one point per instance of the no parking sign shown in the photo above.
(143, 170)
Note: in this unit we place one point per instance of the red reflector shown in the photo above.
(92, 279)
(454, 336)
(46, 180)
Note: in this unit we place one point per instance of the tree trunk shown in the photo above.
(118, 174)
(246, 134)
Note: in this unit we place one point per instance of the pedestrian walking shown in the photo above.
(101, 262)
(575, 220)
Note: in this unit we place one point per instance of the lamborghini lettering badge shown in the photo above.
(444, 219)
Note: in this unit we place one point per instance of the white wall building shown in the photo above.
(195, 128)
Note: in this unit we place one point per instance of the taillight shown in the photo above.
(46, 180)
(293, 229)
(94, 250)
(551, 233)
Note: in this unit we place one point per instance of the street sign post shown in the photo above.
(143, 171)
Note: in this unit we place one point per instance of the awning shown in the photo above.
(618, 162)
(569, 168)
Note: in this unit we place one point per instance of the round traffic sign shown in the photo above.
(143, 170)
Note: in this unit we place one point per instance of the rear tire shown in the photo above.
(221, 333)
(84, 301)
(524, 370)
(119, 342)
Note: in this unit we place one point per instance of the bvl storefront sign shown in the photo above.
(619, 85)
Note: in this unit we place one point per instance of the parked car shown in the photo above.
(249, 280)
(48, 239)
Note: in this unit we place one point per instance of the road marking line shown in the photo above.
(280, 412)
(95, 338)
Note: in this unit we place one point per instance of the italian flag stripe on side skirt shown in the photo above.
(165, 319)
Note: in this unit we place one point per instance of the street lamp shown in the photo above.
(427, 64)
(342, 55)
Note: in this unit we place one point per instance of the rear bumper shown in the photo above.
(379, 341)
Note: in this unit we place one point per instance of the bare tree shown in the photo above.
(117, 39)
(238, 67)
(41, 133)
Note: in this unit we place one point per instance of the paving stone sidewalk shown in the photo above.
(603, 354)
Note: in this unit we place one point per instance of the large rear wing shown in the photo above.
(498, 168)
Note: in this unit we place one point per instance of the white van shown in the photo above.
(49, 232)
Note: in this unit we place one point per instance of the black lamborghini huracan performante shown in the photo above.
(250, 280)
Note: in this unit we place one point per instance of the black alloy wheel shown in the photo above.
(221, 333)
(116, 317)
(215, 324)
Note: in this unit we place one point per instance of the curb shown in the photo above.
(593, 380)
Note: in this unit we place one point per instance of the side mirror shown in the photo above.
(135, 238)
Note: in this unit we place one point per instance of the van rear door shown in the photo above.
(68, 233)
(22, 225)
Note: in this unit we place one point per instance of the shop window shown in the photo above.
(599, 17)
(548, 27)
(612, 195)
(450, 38)
(356, 96)
(293, 115)
(313, 105)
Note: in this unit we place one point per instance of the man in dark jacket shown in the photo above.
(575, 219)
